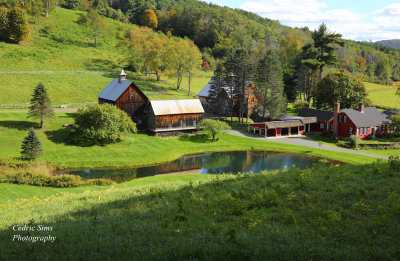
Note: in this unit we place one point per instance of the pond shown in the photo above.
(205, 163)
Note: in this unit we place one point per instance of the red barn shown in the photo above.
(156, 116)
(127, 97)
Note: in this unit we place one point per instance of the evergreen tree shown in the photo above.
(269, 82)
(40, 104)
(18, 27)
(339, 87)
(324, 42)
(221, 102)
(31, 146)
(239, 69)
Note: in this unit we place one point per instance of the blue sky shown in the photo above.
(355, 19)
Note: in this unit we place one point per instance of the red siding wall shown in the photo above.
(301, 129)
(344, 127)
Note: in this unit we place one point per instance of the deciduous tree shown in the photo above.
(3, 24)
(149, 19)
(339, 87)
(214, 127)
(18, 27)
(96, 24)
(193, 60)
(40, 104)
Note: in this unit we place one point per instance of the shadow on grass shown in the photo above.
(65, 136)
(19, 125)
(253, 217)
(198, 138)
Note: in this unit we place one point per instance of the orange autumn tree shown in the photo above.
(149, 19)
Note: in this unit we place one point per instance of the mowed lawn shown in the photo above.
(382, 95)
(135, 149)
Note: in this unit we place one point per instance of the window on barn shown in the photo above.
(344, 118)
(340, 118)
(322, 125)
(194, 122)
(169, 124)
(331, 127)
(131, 94)
(350, 130)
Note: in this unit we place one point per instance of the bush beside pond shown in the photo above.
(41, 174)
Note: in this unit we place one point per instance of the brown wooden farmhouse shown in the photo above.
(155, 116)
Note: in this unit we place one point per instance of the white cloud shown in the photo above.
(392, 9)
(382, 24)
(294, 11)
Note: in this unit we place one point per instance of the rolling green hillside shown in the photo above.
(60, 54)
(382, 95)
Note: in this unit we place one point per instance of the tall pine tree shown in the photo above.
(31, 146)
(40, 104)
(269, 82)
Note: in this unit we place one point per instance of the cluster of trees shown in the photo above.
(161, 54)
(234, 74)
(14, 26)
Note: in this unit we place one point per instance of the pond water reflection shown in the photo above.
(206, 163)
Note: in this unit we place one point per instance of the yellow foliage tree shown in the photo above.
(149, 19)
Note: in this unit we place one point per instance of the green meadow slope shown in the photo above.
(382, 95)
(60, 54)
(322, 213)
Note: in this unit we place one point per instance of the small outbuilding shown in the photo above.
(174, 115)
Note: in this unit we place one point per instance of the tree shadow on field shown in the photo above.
(66, 136)
(126, 230)
(19, 125)
(197, 138)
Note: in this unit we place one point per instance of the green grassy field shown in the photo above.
(135, 149)
(382, 95)
(58, 47)
(335, 213)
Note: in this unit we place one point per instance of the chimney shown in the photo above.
(122, 76)
(361, 107)
(336, 110)
(306, 105)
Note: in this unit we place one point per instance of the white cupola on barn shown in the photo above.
(122, 76)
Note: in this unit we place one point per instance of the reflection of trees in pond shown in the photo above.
(217, 161)
(117, 175)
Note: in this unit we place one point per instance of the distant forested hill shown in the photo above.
(394, 43)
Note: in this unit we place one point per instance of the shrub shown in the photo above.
(298, 106)
(100, 124)
(58, 181)
(353, 141)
